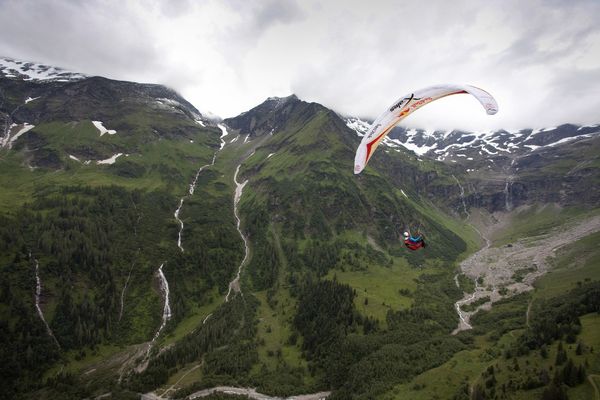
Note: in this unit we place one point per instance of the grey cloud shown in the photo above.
(257, 17)
(571, 23)
(353, 56)
(174, 8)
(278, 12)
(576, 87)
(571, 97)
(261, 15)
(97, 38)
(526, 51)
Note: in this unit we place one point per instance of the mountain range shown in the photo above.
(148, 249)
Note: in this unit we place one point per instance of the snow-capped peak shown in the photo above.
(448, 145)
(358, 125)
(282, 99)
(29, 71)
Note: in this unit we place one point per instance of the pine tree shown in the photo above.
(569, 373)
(579, 349)
(554, 392)
(544, 351)
(478, 393)
(581, 374)
(561, 355)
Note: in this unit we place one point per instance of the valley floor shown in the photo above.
(507, 270)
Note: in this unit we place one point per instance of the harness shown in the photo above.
(412, 245)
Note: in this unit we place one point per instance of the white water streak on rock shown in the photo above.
(224, 133)
(38, 294)
(7, 140)
(181, 201)
(192, 187)
(507, 194)
(464, 318)
(462, 196)
(164, 285)
(123, 293)
(6, 133)
(26, 127)
(234, 285)
(164, 288)
(195, 181)
(176, 214)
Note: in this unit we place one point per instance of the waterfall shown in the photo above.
(462, 196)
(6, 132)
(123, 292)
(507, 194)
(180, 224)
(192, 186)
(166, 316)
(464, 320)
(38, 295)
(164, 286)
(224, 133)
(234, 285)
(508, 205)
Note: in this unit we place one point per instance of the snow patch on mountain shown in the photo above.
(99, 125)
(278, 102)
(415, 148)
(110, 160)
(447, 145)
(175, 106)
(26, 127)
(358, 125)
(29, 71)
(7, 140)
(570, 139)
(588, 126)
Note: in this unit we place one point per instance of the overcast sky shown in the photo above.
(540, 59)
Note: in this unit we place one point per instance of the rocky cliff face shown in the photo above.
(93, 98)
(266, 118)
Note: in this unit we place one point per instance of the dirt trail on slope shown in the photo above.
(495, 267)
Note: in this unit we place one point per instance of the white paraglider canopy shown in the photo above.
(404, 106)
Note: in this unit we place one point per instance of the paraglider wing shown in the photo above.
(404, 106)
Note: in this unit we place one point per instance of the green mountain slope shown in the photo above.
(329, 298)
(313, 228)
(98, 231)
